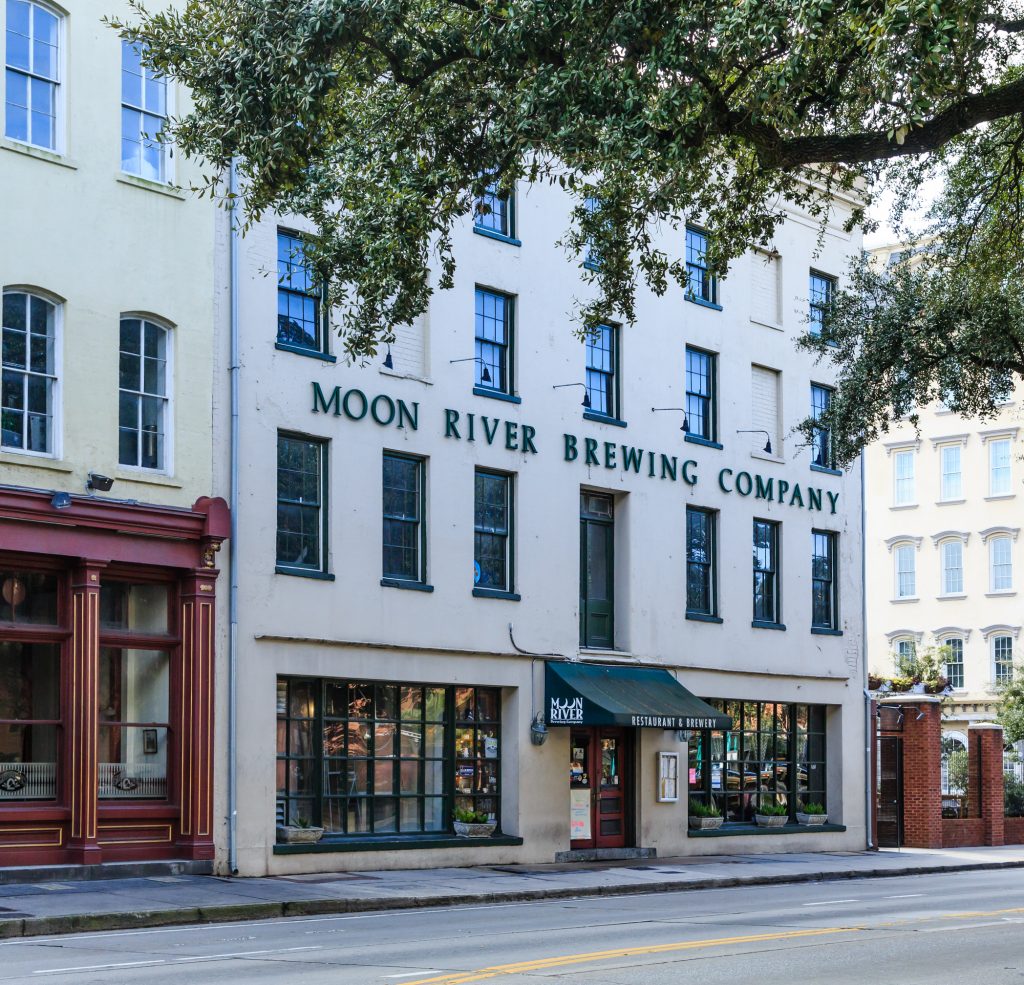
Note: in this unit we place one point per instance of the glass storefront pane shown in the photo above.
(410, 814)
(28, 598)
(465, 743)
(433, 777)
(360, 701)
(412, 703)
(132, 762)
(410, 740)
(301, 739)
(488, 700)
(384, 777)
(385, 814)
(434, 746)
(359, 816)
(334, 739)
(487, 743)
(358, 739)
(433, 814)
(335, 699)
(435, 710)
(410, 777)
(384, 740)
(300, 702)
(464, 711)
(29, 681)
(387, 701)
(134, 685)
(135, 608)
(28, 762)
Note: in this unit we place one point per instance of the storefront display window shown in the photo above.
(364, 758)
(775, 753)
(28, 598)
(30, 720)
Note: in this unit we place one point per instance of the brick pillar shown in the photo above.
(985, 747)
(922, 783)
(82, 712)
(195, 766)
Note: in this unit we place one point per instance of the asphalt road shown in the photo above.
(961, 928)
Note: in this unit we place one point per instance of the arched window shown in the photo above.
(28, 360)
(33, 61)
(144, 394)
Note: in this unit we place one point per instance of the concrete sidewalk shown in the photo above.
(30, 909)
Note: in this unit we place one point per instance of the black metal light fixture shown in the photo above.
(767, 444)
(682, 410)
(586, 392)
(101, 483)
(389, 363)
(485, 375)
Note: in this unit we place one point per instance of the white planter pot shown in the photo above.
(917, 688)
(705, 823)
(771, 820)
(288, 835)
(467, 830)
(811, 820)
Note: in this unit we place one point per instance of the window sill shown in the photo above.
(282, 569)
(739, 829)
(32, 462)
(996, 498)
(904, 506)
(825, 470)
(412, 586)
(949, 502)
(398, 844)
(703, 617)
(768, 458)
(1001, 594)
(495, 593)
(589, 415)
(905, 598)
(39, 153)
(481, 391)
(778, 327)
(952, 595)
(603, 653)
(301, 350)
(405, 376)
(146, 478)
(696, 439)
(500, 237)
(703, 303)
(825, 631)
(171, 191)
(764, 624)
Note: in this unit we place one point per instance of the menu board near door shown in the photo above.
(579, 815)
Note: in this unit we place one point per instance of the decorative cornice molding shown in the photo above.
(1007, 432)
(990, 532)
(1000, 629)
(949, 439)
(945, 632)
(901, 634)
(910, 444)
(892, 542)
(960, 535)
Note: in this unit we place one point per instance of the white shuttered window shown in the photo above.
(764, 288)
(764, 407)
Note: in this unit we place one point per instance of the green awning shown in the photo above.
(639, 697)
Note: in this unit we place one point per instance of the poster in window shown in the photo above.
(579, 815)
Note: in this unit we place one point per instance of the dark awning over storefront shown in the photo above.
(644, 697)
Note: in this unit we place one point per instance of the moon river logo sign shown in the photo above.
(566, 710)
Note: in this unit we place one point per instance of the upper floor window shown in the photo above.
(821, 288)
(298, 296)
(1002, 659)
(602, 370)
(143, 395)
(143, 115)
(592, 259)
(700, 562)
(33, 74)
(906, 571)
(1000, 552)
(701, 396)
(766, 571)
(904, 484)
(999, 470)
(701, 284)
(496, 212)
(301, 502)
(28, 359)
(492, 531)
(404, 527)
(824, 584)
(597, 572)
(904, 650)
(952, 476)
(954, 661)
(821, 398)
(494, 332)
(952, 567)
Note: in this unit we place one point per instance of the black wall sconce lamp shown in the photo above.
(101, 483)
(485, 374)
(586, 392)
(682, 410)
(767, 444)
(389, 363)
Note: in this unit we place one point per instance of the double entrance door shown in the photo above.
(600, 787)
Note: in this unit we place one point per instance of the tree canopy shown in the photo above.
(382, 121)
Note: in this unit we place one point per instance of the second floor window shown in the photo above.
(1002, 659)
(143, 115)
(904, 486)
(27, 396)
(820, 287)
(999, 480)
(1000, 552)
(701, 284)
(954, 661)
(824, 586)
(700, 561)
(700, 394)
(952, 567)
(906, 571)
(301, 501)
(403, 518)
(952, 477)
(494, 327)
(602, 365)
(32, 74)
(495, 213)
(766, 571)
(143, 394)
(298, 297)
(821, 398)
(597, 572)
(492, 529)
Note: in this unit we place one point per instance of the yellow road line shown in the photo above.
(540, 964)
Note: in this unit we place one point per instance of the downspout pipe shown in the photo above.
(868, 722)
(233, 370)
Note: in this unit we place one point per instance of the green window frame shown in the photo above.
(701, 394)
(821, 287)
(494, 336)
(493, 531)
(597, 570)
(302, 497)
(404, 535)
(766, 599)
(701, 284)
(301, 313)
(701, 561)
(495, 212)
(821, 443)
(824, 580)
(602, 375)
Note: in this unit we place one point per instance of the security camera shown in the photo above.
(101, 483)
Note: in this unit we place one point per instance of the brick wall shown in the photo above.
(1013, 831)
(963, 833)
(922, 785)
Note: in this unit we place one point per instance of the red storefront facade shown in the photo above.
(106, 678)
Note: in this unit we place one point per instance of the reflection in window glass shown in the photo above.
(134, 607)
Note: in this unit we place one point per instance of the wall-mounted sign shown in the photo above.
(668, 777)
(579, 815)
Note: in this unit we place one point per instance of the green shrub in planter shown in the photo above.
(814, 808)
(699, 809)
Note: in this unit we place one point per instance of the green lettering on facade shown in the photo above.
(410, 417)
(469, 434)
(783, 489)
(743, 479)
(797, 496)
(528, 445)
(390, 412)
(511, 435)
(814, 499)
(690, 480)
(362, 399)
(590, 446)
(319, 404)
(632, 458)
(763, 487)
(609, 454)
(650, 462)
(490, 432)
(571, 454)
(721, 480)
(451, 420)
(669, 466)
(833, 499)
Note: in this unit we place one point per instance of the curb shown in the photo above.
(233, 912)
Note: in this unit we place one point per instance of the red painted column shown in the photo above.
(922, 783)
(195, 765)
(985, 747)
(83, 712)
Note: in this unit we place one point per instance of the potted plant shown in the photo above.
(705, 817)
(770, 814)
(473, 824)
(813, 814)
(302, 832)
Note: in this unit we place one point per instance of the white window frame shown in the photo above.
(904, 549)
(170, 335)
(909, 455)
(999, 539)
(167, 159)
(945, 547)
(60, 101)
(57, 394)
(948, 640)
(996, 636)
(947, 492)
(993, 444)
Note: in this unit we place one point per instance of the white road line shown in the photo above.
(172, 961)
(96, 967)
(405, 974)
(961, 926)
(830, 902)
(904, 896)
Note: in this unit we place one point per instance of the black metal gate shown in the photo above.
(889, 816)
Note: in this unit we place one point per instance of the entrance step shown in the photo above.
(605, 854)
(109, 870)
